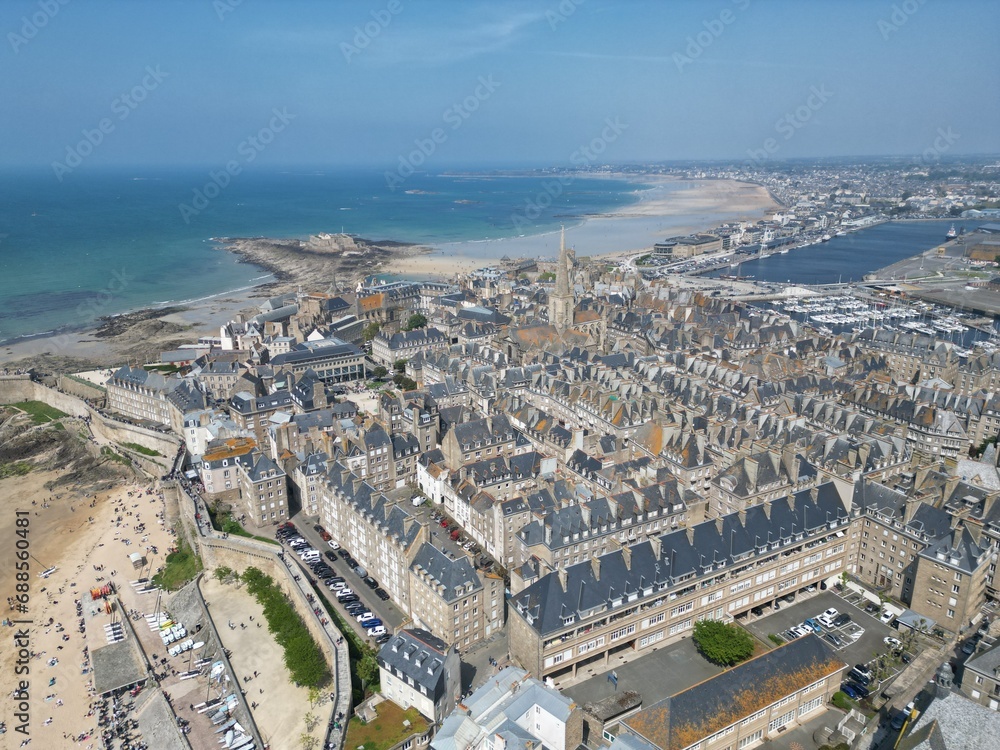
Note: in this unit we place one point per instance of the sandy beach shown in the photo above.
(668, 207)
(78, 534)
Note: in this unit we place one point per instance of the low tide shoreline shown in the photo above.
(292, 263)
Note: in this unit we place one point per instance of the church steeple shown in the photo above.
(561, 299)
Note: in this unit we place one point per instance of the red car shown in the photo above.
(444, 523)
(455, 535)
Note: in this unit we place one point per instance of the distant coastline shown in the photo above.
(664, 206)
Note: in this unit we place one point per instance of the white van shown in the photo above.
(417, 501)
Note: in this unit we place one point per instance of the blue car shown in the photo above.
(372, 623)
(814, 625)
(851, 690)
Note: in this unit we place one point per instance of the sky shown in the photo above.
(393, 83)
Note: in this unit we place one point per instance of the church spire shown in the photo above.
(561, 298)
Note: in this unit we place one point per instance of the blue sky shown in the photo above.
(484, 83)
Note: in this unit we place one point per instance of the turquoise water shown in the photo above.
(104, 242)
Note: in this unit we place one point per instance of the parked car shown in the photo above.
(353, 599)
(376, 631)
(371, 622)
(850, 690)
(371, 583)
(860, 689)
(330, 554)
(861, 678)
(317, 528)
(333, 545)
(362, 616)
(892, 643)
(833, 639)
(383, 638)
(811, 623)
(871, 608)
(345, 592)
(840, 620)
(455, 535)
(325, 536)
(382, 594)
(863, 670)
(886, 617)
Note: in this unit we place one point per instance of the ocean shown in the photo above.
(108, 241)
(850, 257)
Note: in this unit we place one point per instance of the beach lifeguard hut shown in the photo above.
(138, 560)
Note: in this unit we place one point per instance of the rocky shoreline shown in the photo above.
(320, 261)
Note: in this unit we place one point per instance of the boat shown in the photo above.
(952, 233)
(825, 238)
(784, 252)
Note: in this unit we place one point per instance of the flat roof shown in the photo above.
(116, 665)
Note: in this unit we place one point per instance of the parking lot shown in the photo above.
(853, 648)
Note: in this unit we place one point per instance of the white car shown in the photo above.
(892, 642)
(333, 545)
(886, 617)
(366, 615)
(376, 631)
(826, 619)
(801, 630)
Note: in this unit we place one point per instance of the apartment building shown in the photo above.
(452, 600)
(253, 413)
(652, 592)
(418, 669)
(387, 349)
(145, 396)
(743, 706)
(478, 439)
(263, 490)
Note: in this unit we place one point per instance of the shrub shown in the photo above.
(721, 643)
(303, 656)
(777, 640)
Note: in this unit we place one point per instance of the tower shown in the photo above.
(561, 299)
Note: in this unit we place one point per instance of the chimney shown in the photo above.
(690, 535)
(767, 509)
(585, 514)
(548, 532)
(956, 537)
(656, 545)
(595, 565)
(791, 501)
(562, 578)
(814, 493)
(627, 556)
(742, 513)
(718, 525)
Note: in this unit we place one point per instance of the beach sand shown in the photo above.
(62, 535)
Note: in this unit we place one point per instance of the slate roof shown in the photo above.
(705, 708)
(961, 724)
(457, 575)
(545, 603)
(418, 655)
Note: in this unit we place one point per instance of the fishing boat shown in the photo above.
(952, 233)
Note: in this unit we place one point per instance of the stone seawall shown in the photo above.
(14, 388)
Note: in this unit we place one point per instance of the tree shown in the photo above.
(310, 720)
(379, 372)
(417, 320)
(307, 741)
(399, 365)
(368, 669)
(722, 643)
(370, 331)
(222, 573)
(547, 276)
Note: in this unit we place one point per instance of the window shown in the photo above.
(750, 739)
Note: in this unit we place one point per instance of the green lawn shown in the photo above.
(182, 565)
(141, 449)
(387, 730)
(40, 411)
(225, 522)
